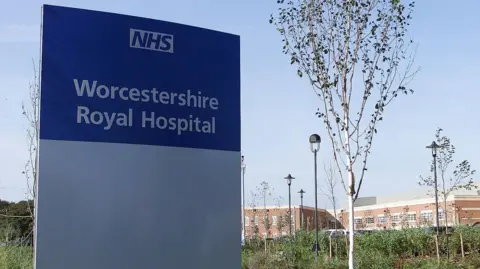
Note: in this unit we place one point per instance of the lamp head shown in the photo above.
(434, 146)
(315, 142)
(301, 193)
(289, 179)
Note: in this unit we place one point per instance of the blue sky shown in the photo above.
(278, 107)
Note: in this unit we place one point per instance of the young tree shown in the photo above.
(279, 213)
(340, 45)
(31, 112)
(405, 218)
(253, 208)
(331, 184)
(20, 220)
(265, 193)
(450, 178)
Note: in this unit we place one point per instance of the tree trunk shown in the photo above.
(446, 225)
(350, 227)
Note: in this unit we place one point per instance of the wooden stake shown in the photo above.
(346, 245)
(330, 239)
(461, 245)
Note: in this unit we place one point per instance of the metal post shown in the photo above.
(289, 209)
(316, 208)
(301, 208)
(436, 187)
(243, 198)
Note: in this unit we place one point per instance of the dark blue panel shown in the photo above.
(160, 61)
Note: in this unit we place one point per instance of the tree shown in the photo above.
(282, 222)
(253, 206)
(31, 112)
(17, 219)
(265, 192)
(340, 45)
(331, 183)
(450, 178)
(405, 217)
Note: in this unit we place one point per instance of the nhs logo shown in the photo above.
(141, 39)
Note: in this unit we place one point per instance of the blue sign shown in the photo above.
(123, 79)
(134, 111)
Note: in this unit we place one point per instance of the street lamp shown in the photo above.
(434, 146)
(315, 147)
(289, 182)
(301, 205)
(244, 167)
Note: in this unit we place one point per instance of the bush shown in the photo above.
(411, 248)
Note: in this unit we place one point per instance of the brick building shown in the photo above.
(461, 209)
(272, 221)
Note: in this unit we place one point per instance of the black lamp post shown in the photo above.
(301, 206)
(434, 146)
(315, 147)
(289, 182)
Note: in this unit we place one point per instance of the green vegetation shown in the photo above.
(16, 224)
(16, 220)
(16, 257)
(408, 248)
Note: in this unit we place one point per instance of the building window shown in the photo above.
(441, 214)
(358, 221)
(274, 220)
(412, 217)
(426, 215)
(331, 224)
(247, 221)
(256, 220)
(382, 219)
(396, 218)
(369, 220)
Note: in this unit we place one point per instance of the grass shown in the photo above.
(16, 257)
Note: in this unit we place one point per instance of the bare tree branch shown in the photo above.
(31, 112)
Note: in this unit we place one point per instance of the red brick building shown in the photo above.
(273, 221)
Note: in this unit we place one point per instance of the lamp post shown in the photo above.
(289, 182)
(301, 206)
(434, 146)
(244, 167)
(315, 147)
